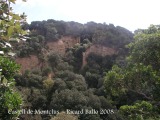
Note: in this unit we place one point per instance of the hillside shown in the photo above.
(60, 46)
(63, 63)
(59, 36)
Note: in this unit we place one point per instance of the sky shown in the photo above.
(130, 14)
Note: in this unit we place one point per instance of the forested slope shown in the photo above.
(74, 71)
(54, 75)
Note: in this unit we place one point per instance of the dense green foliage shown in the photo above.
(10, 100)
(134, 88)
(62, 83)
(66, 90)
(95, 32)
(148, 45)
(10, 29)
(34, 45)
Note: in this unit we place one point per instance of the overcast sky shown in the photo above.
(131, 14)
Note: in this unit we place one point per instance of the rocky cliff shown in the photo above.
(62, 44)
(28, 63)
(99, 50)
(58, 46)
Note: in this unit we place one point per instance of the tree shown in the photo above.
(10, 28)
(145, 49)
(139, 111)
(72, 80)
(139, 79)
(136, 79)
(68, 99)
(54, 59)
(10, 22)
(10, 100)
(51, 31)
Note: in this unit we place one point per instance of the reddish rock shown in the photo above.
(99, 50)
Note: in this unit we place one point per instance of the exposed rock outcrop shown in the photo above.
(59, 46)
(99, 50)
(28, 63)
(62, 44)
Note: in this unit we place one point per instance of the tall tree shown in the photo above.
(139, 80)
(10, 28)
(146, 47)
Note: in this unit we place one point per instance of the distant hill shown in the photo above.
(59, 36)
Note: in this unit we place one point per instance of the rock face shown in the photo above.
(99, 50)
(57, 46)
(28, 63)
(62, 44)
